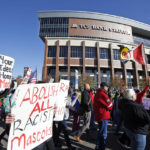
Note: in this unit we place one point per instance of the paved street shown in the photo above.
(87, 144)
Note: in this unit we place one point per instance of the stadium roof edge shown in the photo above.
(137, 26)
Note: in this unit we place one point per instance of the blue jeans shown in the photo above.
(102, 134)
(138, 141)
(92, 122)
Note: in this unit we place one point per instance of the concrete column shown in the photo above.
(44, 76)
(69, 54)
(111, 61)
(124, 73)
(98, 64)
(57, 62)
(84, 73)
(136, 81)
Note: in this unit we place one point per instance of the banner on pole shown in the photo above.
(76, 80)
(34, 111)
(27, 76)
(6, 68)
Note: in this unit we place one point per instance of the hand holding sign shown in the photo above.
(34, 111)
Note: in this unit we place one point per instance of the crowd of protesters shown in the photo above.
(96, 107)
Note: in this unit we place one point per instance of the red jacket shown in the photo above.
(92, 96)
(102, 105)
(141, 95)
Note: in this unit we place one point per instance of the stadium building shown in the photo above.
(88, 42)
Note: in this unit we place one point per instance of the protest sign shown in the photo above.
(6, 68)
(146, 103)
(60, 101)
(27, 76)
(34, 111)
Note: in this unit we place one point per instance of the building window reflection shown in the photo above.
(104, 53)
(90, 52)
(63, 52)
(116, 54)
(105, 76)
(51, 71)
(76, 51)
(52, 51)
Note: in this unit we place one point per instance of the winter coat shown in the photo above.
(86, 102)
(102, 105)
(135, 117)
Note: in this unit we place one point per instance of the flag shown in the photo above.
(33, 77)
(132, 55)
(138, 54)
(27, 76)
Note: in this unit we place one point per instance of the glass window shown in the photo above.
(53, 27)
(51, 71)
(130, 79)
(104, 53)
(105, 76)
(76, 51)
(52, 51)
(63, 51)
(138, 40)
(148, 59)
(90, 70)
(116, 53)
(63, 69)
(90, 52)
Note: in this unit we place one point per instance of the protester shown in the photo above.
(136, 120)
(140, 95)
(76, 116)
(116, 117)
(7, 94)
(124, 140)
(102, 107)
(63, 127)
(86, 106)
(92, 122)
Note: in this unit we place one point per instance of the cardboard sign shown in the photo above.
(34, 111)
(6, 68)
(146, 103)
(60, 102)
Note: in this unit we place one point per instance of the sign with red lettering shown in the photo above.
(34, 112)
(6, 68)
(60, 102)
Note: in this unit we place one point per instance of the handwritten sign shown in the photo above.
(60, 102)
(34, 111)
(6, 68)
(146, 103)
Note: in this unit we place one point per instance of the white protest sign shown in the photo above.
(6, 68)
(146, 103)
(34, 111)
(60, 102)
